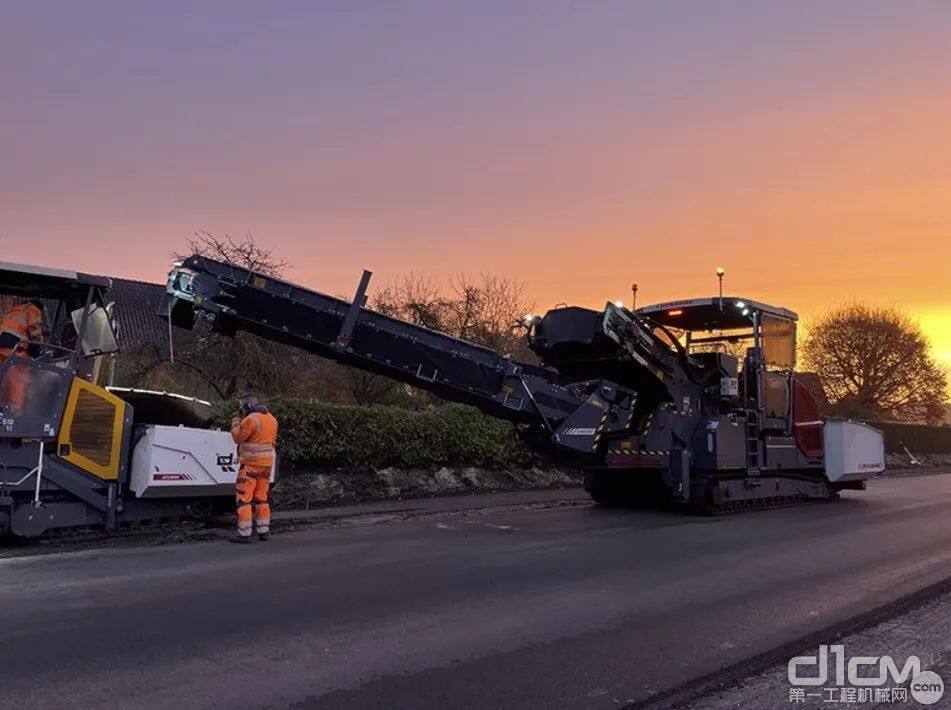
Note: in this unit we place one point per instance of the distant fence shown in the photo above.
(917, 438)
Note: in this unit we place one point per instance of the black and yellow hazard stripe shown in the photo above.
(647, 424)
(630, 416)
(599, 431)
(628, 452)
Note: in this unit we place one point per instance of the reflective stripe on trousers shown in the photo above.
(251, 491)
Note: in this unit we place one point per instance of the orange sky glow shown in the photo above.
(576, 149)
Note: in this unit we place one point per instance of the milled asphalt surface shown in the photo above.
(528, 604)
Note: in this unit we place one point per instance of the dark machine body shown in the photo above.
(652, 403)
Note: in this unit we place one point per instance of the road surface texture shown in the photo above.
(543, 601)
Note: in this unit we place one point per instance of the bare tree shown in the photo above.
(246, 252)
(484, 309)
(480, 309)
(876, 362)
(415, 298)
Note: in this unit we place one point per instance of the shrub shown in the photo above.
(316, 433)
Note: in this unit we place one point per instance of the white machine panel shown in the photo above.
(853, 451)
(170, 461)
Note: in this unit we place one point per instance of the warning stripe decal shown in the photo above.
(597, 434)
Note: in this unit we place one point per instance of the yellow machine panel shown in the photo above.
(91, 434)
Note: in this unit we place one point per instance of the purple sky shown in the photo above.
(575, 146)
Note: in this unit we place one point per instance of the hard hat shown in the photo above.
(248, 403)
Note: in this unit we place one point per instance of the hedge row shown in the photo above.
(918, 438)
(316, 433)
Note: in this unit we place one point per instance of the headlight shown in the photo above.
(180, 283)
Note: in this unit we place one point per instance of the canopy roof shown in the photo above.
(706, 313)
(45, 283)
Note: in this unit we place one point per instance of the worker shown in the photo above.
(24, 320)
(254, 430)
(21, 323)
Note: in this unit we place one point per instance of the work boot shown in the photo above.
(264, 537)
(238, 540)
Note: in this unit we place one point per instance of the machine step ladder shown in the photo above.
(753, 463)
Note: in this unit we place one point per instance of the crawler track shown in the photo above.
(151, 532)
(732, 507)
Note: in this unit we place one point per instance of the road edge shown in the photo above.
(733, 675)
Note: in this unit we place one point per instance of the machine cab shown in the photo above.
(37, 377)
(753, 344)
(730, 325)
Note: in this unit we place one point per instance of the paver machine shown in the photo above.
(693, 401)
(74, 453)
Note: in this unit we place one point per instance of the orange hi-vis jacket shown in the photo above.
(255, 436)
(25, 321)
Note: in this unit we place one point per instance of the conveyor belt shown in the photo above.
(236, 298)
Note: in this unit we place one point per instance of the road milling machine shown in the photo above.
(75, 454)
(693, 401)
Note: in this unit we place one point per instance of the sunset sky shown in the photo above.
(577, 146)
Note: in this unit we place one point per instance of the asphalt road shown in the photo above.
(530, 606)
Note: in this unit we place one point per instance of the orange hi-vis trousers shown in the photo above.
(251, 489)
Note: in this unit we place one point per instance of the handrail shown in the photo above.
(37, 471)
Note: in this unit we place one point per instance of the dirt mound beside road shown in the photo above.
(304, 489)
(901, 461)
